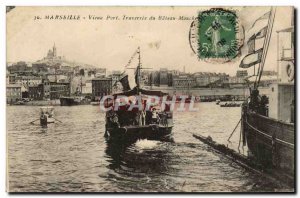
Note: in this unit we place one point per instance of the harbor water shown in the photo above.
(73, 156)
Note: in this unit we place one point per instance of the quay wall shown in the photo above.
(210, 91)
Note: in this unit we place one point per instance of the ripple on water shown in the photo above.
(73, 155)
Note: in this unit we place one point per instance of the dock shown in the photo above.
(246, 162)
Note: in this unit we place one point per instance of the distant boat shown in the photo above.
(96, 103)
(72, 100)
(230, 104)
(20, 102)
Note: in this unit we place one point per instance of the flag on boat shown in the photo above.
(125, 83)
(256, 41)
(264, 17)
(251, 59)
(262, 33)
(251, 44)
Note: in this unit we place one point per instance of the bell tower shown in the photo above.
(54, 50)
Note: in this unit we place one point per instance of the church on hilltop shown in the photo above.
(52, 53)
(52, 56)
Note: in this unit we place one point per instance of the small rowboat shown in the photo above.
(46, 115)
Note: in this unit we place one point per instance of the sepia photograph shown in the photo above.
(150, 99)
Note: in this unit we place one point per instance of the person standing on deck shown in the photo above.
(154, 116)
(143, 117)
(164, 118)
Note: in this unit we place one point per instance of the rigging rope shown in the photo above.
(131, 58)
(234, 130)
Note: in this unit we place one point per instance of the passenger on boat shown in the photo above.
(164, 120)
(148, 117)
(43, 116)
(254, 100)
(155, 116)
(263, 108)
(113, 118)
(136, 118)
(143, 117)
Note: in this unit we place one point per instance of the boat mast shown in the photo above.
(137, 75)
(138, 71)
(81, 85)
(266, 46)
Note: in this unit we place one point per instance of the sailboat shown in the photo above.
(268, 122)
(127, 125)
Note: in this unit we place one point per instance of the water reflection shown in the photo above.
(142, 156)
(144, 161)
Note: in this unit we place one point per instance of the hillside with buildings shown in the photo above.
(54, 76)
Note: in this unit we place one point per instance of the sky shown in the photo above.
(111, 43)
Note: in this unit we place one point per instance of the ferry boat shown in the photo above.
(128, 126)
(268, 124)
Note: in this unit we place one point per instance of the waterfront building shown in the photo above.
(87, 87)
(235, 82)
(184, 81)
(101, 87)
(201, 79)
(28, 80)
(241, 73)
(58, 89)
(54, 90)
(11, 78)
(204, 79)
(36, 92)
(154, 78)
(163, 77)
(81, 84)
(13, 93)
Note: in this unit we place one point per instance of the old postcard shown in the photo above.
(150, 99)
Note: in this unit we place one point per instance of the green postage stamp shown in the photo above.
(217, 37)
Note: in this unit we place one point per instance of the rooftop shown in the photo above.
(13, 86)
(103, 78)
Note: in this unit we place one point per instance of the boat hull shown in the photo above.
(133, 133)
(270, 142)
(45, 121)
(66, 101)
